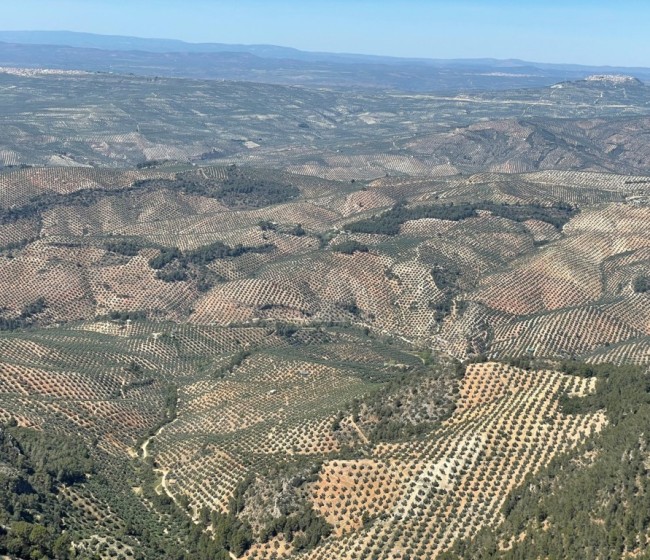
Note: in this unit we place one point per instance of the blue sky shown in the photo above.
(573, 31)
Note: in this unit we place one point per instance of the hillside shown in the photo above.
(249, 321)
(118, 121)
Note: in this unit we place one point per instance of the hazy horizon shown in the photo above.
(310, 51)
(596, 33)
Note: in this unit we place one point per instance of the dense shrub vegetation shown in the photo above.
(298, 230)
(26, 317)
(303, 529)
(233, 532)
(219, 250)
(289, 514)
(593, 502)
(174, 265)
(164, 257)
(642, 284)
(123, 316)
(410, 404)
(241, 188)
(235, 361)
(35, 464)
(390, 221)
(448, 275)
(285, 330)
(267, 225)
(203, 255)
(128, 248)
(33, 308)
(349, 247)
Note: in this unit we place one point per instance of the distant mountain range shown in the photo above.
(283, 65)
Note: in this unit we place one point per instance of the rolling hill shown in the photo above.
(244, 320)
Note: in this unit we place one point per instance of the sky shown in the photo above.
(595, 32)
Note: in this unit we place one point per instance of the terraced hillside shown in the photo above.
(217, 411)
(261, 338)
(547, 264)
(347, 333)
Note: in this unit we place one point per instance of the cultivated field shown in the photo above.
(365, 325)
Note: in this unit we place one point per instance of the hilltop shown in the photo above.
(615, 79)
(603, 80)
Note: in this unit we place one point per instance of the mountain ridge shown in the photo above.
(164, 45)
(275, 64)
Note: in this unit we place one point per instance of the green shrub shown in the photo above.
(390, 221)
(349, 247)
(128, 248)
(642, 284)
